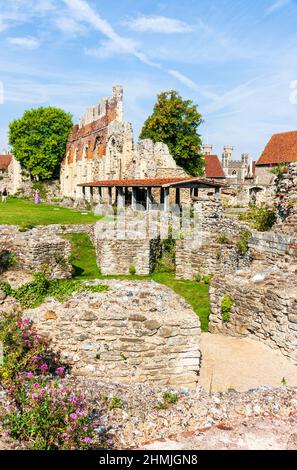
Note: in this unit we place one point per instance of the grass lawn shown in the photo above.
(23, 211)
(84, 261)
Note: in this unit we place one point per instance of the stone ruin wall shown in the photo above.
(263, 309)
(135, 332)
(101, 147)
(202, 252)
(37, 252)
(286, 200)
(264, 293)
(118, 256)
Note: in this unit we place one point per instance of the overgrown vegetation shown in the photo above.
(8, 259)
(260, 217)
(166, 262)
(169, 398)
(226, 307)
(32, 294)
(242, 243)
(280, 169)
(36, 408)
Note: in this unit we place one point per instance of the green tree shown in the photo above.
(175, 122)
(38, 140)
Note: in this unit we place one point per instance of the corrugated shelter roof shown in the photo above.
(282, 148)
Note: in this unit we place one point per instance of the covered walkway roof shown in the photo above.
(156, 183)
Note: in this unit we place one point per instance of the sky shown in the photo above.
(236, 59)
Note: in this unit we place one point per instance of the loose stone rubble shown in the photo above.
(141, 419)
(134, 332)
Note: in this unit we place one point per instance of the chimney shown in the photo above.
(207, 149)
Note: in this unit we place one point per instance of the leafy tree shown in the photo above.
(39, 140)
(175, 122)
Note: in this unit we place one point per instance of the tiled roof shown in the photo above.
(156, 182)
(213, 167)
(5, 161)
(282, 148)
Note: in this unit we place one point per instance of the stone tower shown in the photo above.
(227, 155)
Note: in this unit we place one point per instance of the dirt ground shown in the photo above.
(242, 364)
(253, 434)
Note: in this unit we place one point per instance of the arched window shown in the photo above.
(234, 173)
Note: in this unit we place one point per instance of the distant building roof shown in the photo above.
(213, 167)
(5, 161)
(282, 148)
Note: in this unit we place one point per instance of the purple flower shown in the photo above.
(35, 395)
(60, 371)
(29, 375)
(36, 385)
(44, 367)
(73, 416)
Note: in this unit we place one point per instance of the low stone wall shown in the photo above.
(134, 332)
(271, 242)
(35, 251)
(265, 307)
(118, 256)
(207, 258)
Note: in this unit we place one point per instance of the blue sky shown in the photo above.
(236, 59)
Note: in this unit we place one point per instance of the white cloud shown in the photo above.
(193, 86)
(69, 26)
(158, 24)
(116, 44)
(27, 42)
(277, 5)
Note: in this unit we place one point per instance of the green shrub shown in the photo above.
(223, 239)
(198, 277)
(166, 260)
(280, 169)
(207, 279)
(226, 307)
(115, 403)
(132, 270)
(24, 227)
(261, 217)
(242, 243)
(32, 294)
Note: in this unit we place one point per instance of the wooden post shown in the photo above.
(121, 198)
(134, 198)
(177, 196)
(166, 199)
(110, 195)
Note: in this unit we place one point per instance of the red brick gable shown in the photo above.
(282, 148)
(213, 167)
(5, 161)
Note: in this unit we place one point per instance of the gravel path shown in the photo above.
(242, 364)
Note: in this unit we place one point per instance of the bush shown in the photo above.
(198, 277)
(242, 243)
(226, 306)
(48, 416)
(32, 294)
(207, 279)
(24, 227)
(37, 407)
(261, 217)
(22, 348)
(132, 270)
